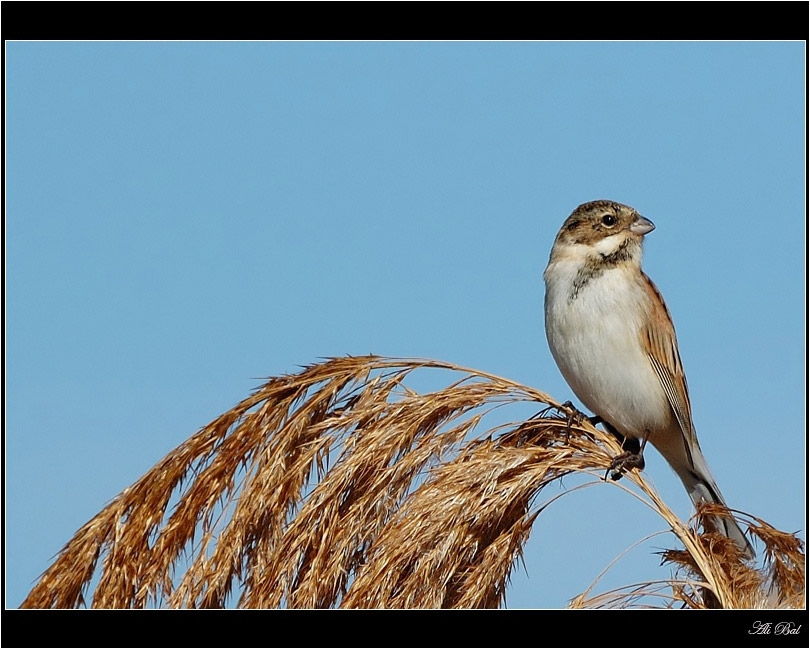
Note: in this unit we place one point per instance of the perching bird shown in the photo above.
(613, 340)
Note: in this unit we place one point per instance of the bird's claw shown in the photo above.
(624, 462)
(572, 416)
(572, 413)
(630, 459)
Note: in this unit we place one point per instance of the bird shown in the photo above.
(613, 340)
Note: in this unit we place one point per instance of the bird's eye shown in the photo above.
(608, 220)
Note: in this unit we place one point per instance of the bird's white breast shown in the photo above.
(595, 340)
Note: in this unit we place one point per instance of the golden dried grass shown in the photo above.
(340, 486)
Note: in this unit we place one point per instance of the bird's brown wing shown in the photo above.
(658, 336)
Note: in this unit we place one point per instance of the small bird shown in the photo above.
(613, 339)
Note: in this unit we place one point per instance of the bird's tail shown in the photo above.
(702, 489)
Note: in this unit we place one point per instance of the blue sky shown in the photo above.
(184, 218)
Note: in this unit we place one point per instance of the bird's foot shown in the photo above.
(573, 415)
(624, 462)
(571, 411)
(632, 458)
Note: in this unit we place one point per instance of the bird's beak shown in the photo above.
(641, 225)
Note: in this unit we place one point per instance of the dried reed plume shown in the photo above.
(341, 487)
